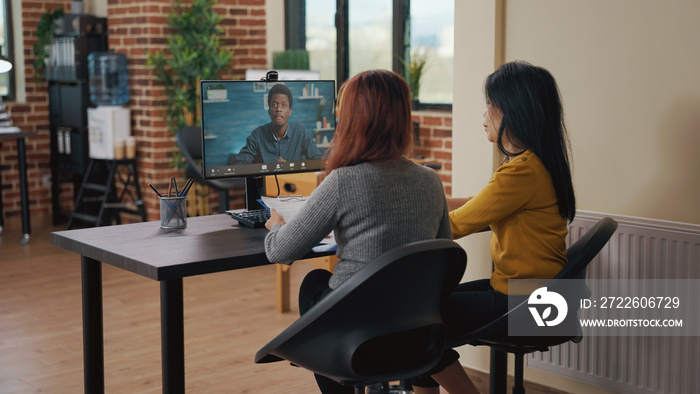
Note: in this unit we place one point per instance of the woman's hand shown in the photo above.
(275, 218)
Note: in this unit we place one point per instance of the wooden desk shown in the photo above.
(209, 244)
(24, 194)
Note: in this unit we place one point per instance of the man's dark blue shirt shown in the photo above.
(263, 147)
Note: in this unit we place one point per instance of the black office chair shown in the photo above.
(189, 140)
(495, 334)
(383, 324)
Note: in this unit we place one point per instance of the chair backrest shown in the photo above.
(189, 139)
(584, 250)
(579, 255)
(383, 323)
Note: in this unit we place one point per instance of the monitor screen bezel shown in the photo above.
(259, 169)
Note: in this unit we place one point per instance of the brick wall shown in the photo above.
(436, 142)
(134, 27)
(137, 27)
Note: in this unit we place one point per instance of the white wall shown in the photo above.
(627, 71)
(472, 154)
(96, 7)
(275, 28)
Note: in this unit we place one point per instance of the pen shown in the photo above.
(175, 206)
(177, 203)
(260, 201)
(169, 204)
(186, 188)
(155, 190)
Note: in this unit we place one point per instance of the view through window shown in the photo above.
(370, 30)
(321, 37)
(370, 38)
(432, 33)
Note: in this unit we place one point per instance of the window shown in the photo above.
(432, 30)
(6, 79)
(320, 37)
(351, 36)
(370, 35)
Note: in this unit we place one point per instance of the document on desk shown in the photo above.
(286, 206)
(289, 207)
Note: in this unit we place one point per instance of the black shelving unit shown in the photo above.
(67, 75)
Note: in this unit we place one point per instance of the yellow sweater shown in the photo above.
(520, 205)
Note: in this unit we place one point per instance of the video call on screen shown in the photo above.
(232, 110)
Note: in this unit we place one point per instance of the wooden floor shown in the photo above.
(228, 317)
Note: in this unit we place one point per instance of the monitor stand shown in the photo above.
(253, 185)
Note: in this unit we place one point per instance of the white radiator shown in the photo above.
(641, 249)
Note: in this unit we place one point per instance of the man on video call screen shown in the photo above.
(280, 140)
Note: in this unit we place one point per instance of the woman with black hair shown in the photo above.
(527, 204)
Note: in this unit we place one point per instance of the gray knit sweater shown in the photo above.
(372, 208)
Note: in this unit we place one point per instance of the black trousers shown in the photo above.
(470, 306)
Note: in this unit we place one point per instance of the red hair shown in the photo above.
(374, 120)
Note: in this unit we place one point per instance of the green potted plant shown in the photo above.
(414, 68)
(194, 52)
(291, 59)
(45, 34)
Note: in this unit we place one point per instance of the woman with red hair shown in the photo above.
(373, 197)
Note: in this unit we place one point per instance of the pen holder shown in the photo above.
(173, 212)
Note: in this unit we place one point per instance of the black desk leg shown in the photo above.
(93, 335)
(172, 336)
(22, 155)
(499, 371)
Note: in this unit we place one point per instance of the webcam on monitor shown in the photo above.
(272, 76)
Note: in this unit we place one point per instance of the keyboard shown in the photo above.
(253, 218)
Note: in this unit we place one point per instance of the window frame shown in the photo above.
(295, 38)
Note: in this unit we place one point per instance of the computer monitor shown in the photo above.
(240, 120)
